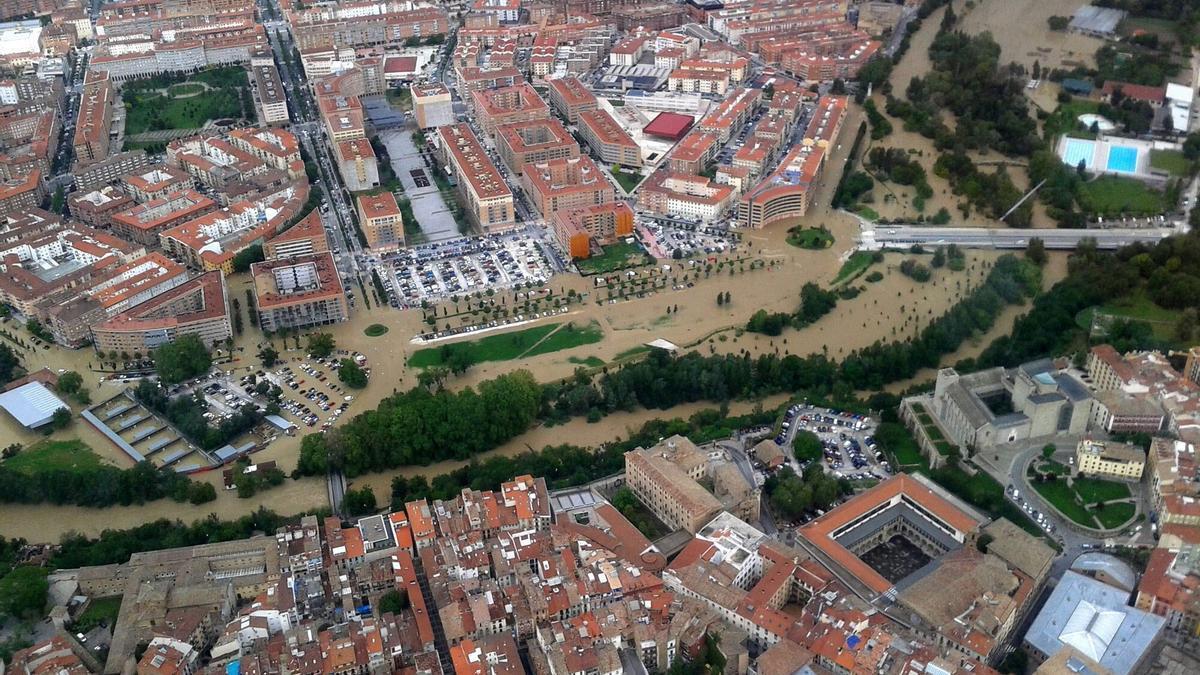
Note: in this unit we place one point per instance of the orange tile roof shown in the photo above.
(820, 531)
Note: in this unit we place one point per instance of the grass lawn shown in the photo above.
(983, 492)
(1115, 515)
(375, 330)
(1066, 119)
(812, 238)
(1048, 466)
(507, 346)
(627, 180)
(1093, 490)
(631, 353)
(69, 455)
(1065, 500)
(858, 263)
(1114, 195)
(615, 257)
(590, 361)
(1136, 307)
(1171, 161)
(99, 609)
(568, 337)
(867, 212)
(501, 347)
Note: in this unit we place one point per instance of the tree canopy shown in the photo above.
(181, 360)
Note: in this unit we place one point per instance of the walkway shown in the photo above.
(430, 210)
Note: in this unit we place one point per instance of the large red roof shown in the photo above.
(669, 125)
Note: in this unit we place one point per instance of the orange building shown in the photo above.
(576, 229)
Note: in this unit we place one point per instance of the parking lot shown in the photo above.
(693, 239)
(848, 447)
(310, 393)
(462, 267)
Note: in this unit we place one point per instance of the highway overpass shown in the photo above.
(903, 236)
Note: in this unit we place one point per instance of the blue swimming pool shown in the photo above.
(1077, 150)
(1122, 159)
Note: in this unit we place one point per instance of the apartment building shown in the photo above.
(565, 184)
(214, 239)
(25, 192)
(158, 183)
(578, 229)
(534, 141)
(144, 223)
(686, 195)
(694, 153)
(608, 139)
(304, 238)
(298, 292)
(570, 97)
(1110, 459)
(381, 221)
(699, 81)
(197, 307)
(507, 105)
(485, 196)
(91, 142)
(664, 478)
(432, 104)
(270, 99)
(96, 208)
(93, 175)
(357, 164)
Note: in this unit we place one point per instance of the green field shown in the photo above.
(1115, 195)
(1171, 161)
(812, 238)
(147, 108)
(1115, 515)
(1136, 307)
(626, 179)
(72, 455)
(615, 257)
(1058, 493)
(1066, 119)
(867, 212)
(1093, 490)
(99, 609)
(543, 339)
(858, 263)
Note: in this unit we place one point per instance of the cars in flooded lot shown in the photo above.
(461, 267)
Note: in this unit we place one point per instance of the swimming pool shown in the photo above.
(1122, 159)
(1077, 150)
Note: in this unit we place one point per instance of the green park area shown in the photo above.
(1171, 161)
(100, 611)
(1065, 120)
(628, 180)
(166, 102)
(1090, 502)
(615, 257)
(812, 238)
(375, 330)
(543, 339)
(1116, 195)
(1136, 307)
(856, 264)
(72, 455)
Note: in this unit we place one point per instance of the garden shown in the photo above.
(617, 256)
(185, 102)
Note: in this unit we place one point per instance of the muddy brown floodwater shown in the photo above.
(892, 308)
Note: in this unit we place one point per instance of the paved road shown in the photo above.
(1004, 238)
